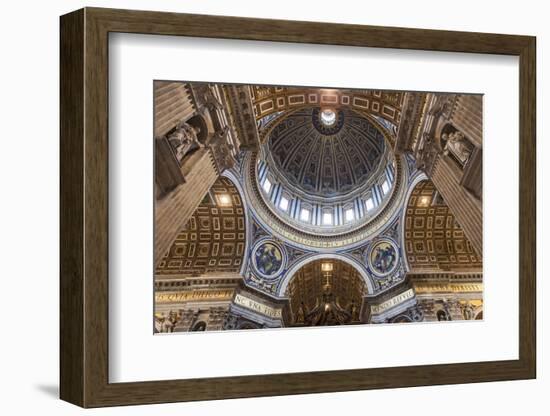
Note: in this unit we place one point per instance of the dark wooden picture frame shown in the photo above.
(84, 207)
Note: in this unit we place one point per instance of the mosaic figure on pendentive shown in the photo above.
(384, 257)
(268, 259)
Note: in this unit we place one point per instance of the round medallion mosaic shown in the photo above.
(383, 257)
(268, 258)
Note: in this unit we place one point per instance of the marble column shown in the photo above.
(174, 210)
(467, 117)
(173, 103)
(466, 208)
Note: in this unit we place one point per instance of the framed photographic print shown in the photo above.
(256, 207)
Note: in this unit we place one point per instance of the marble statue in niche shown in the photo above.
(456, 143)
(184, 139)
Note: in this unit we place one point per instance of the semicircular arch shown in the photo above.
(360, 268)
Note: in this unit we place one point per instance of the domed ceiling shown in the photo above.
(326, 153)
(323, 174)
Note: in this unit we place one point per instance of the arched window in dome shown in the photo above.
(266, 186)
(369, 204)
(283, 203)
(349, 214)
(305, 214)
(328, 217)
(385, 187)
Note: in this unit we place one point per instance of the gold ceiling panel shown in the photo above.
(214, 238)
(434, 241)
(268, 100)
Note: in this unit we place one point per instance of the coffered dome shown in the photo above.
(327, 153)
(324, 170)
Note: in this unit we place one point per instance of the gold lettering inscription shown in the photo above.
(384, 306)
(257, 306)
(193, 295)
(444, 287)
